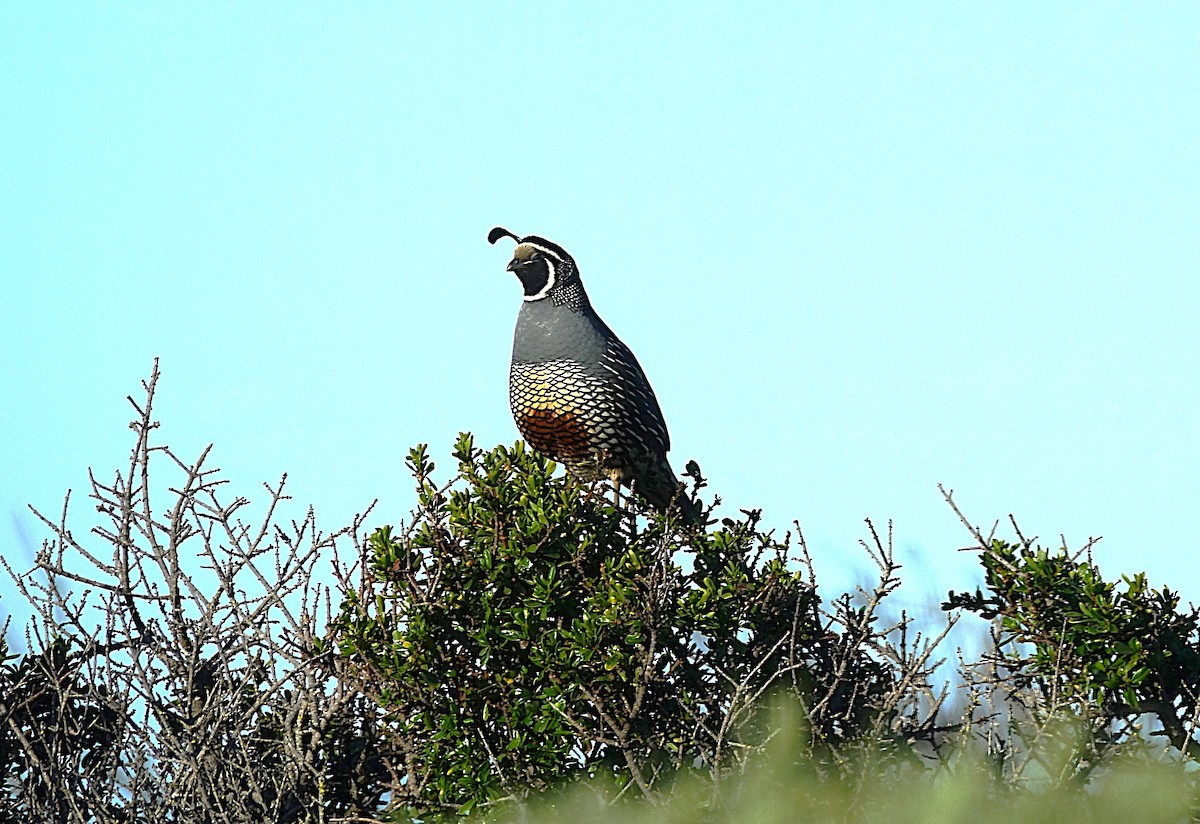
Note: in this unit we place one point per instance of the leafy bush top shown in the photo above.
(522, 630)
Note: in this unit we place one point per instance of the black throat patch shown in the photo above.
(534, 277)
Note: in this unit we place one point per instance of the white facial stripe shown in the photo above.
(550, 270)
(544, 251)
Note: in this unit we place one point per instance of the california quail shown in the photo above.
(578, 394)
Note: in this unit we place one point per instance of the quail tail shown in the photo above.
(687, 510)
(659, 485)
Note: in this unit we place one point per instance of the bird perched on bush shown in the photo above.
(577, 392)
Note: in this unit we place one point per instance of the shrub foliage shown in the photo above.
(522, 630)
(186, 662)
(1069, 642)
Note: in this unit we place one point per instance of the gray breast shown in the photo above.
(546, 332)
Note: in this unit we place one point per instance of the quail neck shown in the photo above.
(556, 319)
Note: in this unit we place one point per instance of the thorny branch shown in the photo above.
(184, 676)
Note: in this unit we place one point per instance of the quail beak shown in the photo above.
(515, 264)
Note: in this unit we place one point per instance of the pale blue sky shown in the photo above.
(860, 249)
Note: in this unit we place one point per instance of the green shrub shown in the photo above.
(522, 630)
(526, 639)
(1072, 643)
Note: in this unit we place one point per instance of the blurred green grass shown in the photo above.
(1144, 793)
(1143, 786)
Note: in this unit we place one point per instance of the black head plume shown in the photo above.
(500, 232)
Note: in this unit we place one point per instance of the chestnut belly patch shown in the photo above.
(555, 406)
(558, 434)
